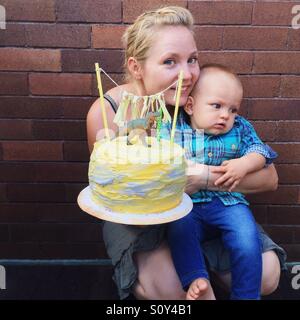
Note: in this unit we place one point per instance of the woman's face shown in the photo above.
(173, 49)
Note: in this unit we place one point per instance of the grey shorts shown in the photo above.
(122, 241)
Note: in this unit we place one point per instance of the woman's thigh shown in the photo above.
(157, 277)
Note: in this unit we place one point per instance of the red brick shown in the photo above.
(274, 109)
(58, 35)
(17, 172)
(89, 10)
(36, 192)
(23, 59)
(43, 172)
(64, 172)
(89, 250)
(284, 215)
(13, 83)
(63, 212)
(73, 190)
(288, 152)
(240, 62)
(107, 36)
(59, 130)
(221, 12)
(106, 82)
(84, 60)
(14, 35)
(30, 107)
(283, 195)
(18, 212)
(3, 195)
(22, 150)
(4, 233)
(133, 8)
(293, 251)
(294, 39)
(273, 13)
(277, 62)
(290, 86)
(280, 234)
(60, 84)
(288, 131)
(288, 173)
(59, 232)
(76, 108)
(208, 38)
(260, 213)
(258, 38)
(76, 151)
(261, 86)
(29, 10)
(15, 129)
(266, 130)
(296, 234)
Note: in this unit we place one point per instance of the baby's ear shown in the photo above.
(189, 106)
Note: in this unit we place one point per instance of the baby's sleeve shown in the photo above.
(250, 142)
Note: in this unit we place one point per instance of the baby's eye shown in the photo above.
(169, 62)
(234, 110)
(216, 105)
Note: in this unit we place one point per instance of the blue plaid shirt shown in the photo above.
(214, 149)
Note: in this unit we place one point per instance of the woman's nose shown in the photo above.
(187, 74)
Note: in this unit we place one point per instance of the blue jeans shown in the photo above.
(240, 236)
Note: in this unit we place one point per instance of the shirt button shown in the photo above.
(210, 154)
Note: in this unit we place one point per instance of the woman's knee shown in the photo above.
(271, 272)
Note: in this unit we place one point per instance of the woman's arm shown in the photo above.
(199, 178)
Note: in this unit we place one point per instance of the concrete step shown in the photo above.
(86, 281)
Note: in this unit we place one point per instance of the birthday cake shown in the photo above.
(137, 178)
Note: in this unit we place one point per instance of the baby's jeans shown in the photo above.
(240, 236)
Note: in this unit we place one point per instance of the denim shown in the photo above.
(239, 234)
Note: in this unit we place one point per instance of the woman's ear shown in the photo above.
(135, 68)
(189, 106)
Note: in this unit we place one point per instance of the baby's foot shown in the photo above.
(197, 289)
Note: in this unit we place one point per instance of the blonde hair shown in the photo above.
(138, 38)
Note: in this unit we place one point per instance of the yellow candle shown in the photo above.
(102, 100)
(178, 94)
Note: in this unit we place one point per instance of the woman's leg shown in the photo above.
(157, 277)
(270, 274)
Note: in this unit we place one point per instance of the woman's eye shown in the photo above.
(169, 62)
(193, 60)
(216, 105)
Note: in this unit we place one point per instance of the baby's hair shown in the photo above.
(138, 37)
(223, 68)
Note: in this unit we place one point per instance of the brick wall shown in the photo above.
(47, 84)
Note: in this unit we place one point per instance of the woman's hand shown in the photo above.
(196, 177)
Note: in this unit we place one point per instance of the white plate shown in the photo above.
(86, 203)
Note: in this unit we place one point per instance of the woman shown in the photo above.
(158, 45)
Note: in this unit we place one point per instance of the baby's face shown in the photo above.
(217, 100)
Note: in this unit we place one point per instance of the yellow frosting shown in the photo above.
(136, 178)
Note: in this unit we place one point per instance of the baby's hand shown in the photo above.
(233, 172)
